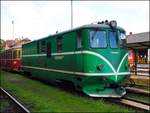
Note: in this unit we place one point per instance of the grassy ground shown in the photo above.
(4, 104)
(41, 97)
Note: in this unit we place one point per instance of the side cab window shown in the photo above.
(38, 51)
(79, 40)
(43, 46)
(59, 44)
(48, 49)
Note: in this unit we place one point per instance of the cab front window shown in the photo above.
(98, 39)
(113, 39)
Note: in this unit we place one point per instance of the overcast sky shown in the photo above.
(37, 19)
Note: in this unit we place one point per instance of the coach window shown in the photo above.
(18, 53)
(79, 40)
(43, 46)
(15, 54)
(11, 54)
(6, 56)
(59, 44)
(3, 55)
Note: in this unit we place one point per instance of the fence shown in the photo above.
(141, 69)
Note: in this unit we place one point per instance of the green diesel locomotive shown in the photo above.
(92, 57)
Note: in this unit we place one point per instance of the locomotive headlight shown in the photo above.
(100, 67)
(113, 24)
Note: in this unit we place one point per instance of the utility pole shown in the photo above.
(13, 29)
(12, 37)
(71, 15)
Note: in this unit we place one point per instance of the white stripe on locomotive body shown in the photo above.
(99, 95)
(122, 61)
(77, 73)
(32, 55)
(121, 64)
(102, 57)
(91, 53)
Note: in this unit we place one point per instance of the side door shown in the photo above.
(48, 53)
(79, 55)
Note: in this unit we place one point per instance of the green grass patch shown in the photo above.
(4, 105)
(40, 97)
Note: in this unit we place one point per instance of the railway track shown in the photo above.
(135, 103)
(132, 103)
(138, 101)
(137, 90)
(13, 106)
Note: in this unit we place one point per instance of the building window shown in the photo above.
(59, 44)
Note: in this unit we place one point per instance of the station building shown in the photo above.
(139, 53)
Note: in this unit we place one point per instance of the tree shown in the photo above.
(1, 45)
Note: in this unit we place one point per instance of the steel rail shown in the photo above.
(135, 104)
(137, 90)
(135, 100)
(131, 103)
(14, 100)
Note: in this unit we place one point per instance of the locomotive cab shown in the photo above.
(108, 61)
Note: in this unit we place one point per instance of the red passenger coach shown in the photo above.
(10, 59)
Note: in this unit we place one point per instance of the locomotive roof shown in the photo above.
(80, 27)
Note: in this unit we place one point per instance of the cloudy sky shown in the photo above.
(37, 19)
